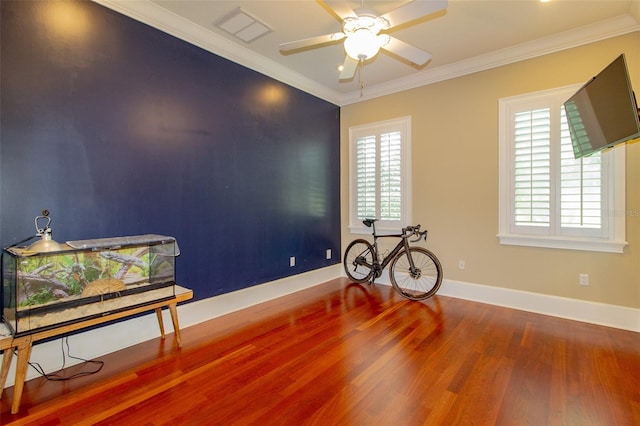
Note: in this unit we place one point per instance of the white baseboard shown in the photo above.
(579, 310)
(98, 342)
(206, 309)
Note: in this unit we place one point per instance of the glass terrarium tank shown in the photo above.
(79, 280)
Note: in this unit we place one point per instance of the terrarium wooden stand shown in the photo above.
(24, 343)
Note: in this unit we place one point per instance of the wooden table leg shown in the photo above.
(24, 353)
(174, 319)
(160, 322)
(23, 344)
(4, 373)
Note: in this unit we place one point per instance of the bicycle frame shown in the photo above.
(403, 244)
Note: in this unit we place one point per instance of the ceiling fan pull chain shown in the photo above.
(361, 72)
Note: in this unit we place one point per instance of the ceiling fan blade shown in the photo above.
(311, 42)
(407, 51)
(349, 68)
(340, 8)
(414, 10)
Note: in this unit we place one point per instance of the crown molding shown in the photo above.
(603, 30)
(160, 18)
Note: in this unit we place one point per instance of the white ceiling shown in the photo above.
(469, 36)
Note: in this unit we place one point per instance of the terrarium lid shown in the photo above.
(130, 240)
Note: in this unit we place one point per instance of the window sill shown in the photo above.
(567, 243)
(380, 230)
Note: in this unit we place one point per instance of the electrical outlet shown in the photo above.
(292, 261)
(584, 279)
(328, 253)
(461, 264)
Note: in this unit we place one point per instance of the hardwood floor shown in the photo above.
(344, 354)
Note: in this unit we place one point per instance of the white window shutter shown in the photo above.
(532, 185)
(390, 176)
(580, 185)
(366, 173)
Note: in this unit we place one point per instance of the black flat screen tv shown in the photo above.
(604, 112)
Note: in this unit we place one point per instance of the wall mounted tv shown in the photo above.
(604, 112)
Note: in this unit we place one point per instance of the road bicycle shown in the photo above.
(415, 272)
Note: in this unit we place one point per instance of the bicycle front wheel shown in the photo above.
(421, 282)
(358, 261)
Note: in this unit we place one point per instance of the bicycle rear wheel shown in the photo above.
(421, 283)
(358, 261)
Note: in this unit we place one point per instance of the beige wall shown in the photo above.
(455, 177)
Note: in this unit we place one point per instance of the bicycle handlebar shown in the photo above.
(414, 230)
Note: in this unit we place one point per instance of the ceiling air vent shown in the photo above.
(243, 26)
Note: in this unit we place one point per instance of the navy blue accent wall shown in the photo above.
(120, 129)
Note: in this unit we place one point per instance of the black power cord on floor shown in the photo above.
(57, 376)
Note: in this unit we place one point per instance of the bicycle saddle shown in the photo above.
(368, 222)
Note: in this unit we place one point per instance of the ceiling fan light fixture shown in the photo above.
(362, 40)
(362, 44)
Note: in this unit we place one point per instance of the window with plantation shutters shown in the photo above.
(380, 178)
(547, 197)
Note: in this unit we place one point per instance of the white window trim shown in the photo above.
(613, 242)
(402, 124)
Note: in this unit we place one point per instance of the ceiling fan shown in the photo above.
(363, 32)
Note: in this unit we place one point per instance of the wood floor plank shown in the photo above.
(348, 354)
